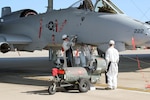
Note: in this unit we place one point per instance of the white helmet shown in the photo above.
(111, 42)
(64, 36)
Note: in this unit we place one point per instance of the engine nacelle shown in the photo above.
(8, 15)
(4, 47)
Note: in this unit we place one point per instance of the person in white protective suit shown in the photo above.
(112, 60)
(68, 51)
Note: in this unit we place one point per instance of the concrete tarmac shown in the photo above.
(27, 77)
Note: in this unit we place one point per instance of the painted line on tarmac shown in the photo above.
(128, 88)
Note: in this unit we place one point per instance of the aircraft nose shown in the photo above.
(142, 34)
(147, 30)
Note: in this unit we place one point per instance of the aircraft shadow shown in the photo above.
(16, 70)
(133, 63)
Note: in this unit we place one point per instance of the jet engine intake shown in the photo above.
(4, 47)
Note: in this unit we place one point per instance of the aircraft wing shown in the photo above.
(15, 39)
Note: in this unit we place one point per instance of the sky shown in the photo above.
(137, 9)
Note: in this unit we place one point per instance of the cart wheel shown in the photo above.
(84, 85)
(52, 88)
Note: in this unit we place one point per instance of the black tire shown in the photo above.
(84, 85)
(52, 89)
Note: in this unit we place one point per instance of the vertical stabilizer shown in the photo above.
(5, 11)
(50, 5)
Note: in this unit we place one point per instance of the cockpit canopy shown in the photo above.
(105, 6)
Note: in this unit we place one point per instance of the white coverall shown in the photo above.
(112, 56)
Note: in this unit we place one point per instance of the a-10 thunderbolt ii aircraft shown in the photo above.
(94, 22)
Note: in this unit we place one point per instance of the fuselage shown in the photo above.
(95, 28)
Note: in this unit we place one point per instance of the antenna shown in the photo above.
(50, 5)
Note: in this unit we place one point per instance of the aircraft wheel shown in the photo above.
(52, 88)
(84, 85)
